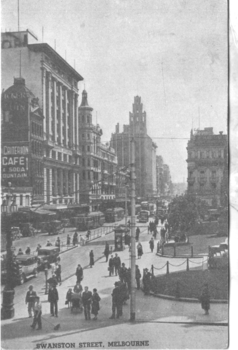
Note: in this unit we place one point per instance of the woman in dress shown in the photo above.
(139, 250)
(95, 303)
(91, 259)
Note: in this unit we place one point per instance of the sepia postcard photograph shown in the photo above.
(117, 130)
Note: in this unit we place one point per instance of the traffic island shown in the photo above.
(187, 285)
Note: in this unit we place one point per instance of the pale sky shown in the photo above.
(172, 53)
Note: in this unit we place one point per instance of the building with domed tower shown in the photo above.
(22, 145)
(99, 161)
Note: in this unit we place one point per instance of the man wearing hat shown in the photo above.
(48, 244)
(117, 301)
(30, 299)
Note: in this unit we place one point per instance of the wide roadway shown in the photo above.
(68, 259)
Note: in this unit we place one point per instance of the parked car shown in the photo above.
(47, 256)
(28, 264)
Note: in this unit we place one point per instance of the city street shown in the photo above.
(161, 316)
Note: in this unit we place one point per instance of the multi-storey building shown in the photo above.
(99, 161)
(55, 82)
(207, 165)
(163, 178)
(143, 149)
(22, 145)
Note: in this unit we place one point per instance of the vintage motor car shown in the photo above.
(28, 264)
(47, 256)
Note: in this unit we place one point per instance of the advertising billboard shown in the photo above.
(15, 164)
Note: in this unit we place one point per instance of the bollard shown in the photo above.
(177, 290)
(191, 251)
(187, 264)
(152, 270)
(167, 268)
(46, 278)
(174, 249)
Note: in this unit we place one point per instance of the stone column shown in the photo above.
(56, 182)
(76, 121)
(73, 117)
(49, 105)
(61, 181)
(60, 114)
(78, 194)
(66, 182)
(45, 186)
(73, 185)
(50, 185)
(54, 116)
(44, 98)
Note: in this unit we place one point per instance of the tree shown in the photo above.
(184, 211)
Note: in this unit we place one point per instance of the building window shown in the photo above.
(53, 154)
(88, 136)
(83, 136)
(21, 199)
(83, 119)
(83, 160)
(88, 161)
(65, 157)
(89, 175)
(88, 119)
(88, 148)
(83, 175)
(83, 148)
(59, 156)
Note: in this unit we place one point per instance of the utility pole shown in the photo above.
(125, 205)
(133, 238)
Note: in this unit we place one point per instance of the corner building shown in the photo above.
(99, 161)
(22, 145)
(207, 165)
(55, 82)
(145, 150)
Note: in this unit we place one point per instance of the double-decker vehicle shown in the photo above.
(88, 221)
(148, 206)
(144, 216)
(115, 214)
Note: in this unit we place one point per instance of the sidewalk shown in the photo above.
(149, 310)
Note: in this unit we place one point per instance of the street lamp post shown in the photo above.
(7, 310)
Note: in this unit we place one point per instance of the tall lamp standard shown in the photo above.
(7, 310)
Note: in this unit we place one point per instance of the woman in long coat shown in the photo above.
(139, 250)
(205, 299)
(152, 245)
(91, 259)
(95, 303)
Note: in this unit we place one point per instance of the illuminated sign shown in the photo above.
(15, 164)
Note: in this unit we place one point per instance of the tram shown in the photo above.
(88, 221)
(115, 214)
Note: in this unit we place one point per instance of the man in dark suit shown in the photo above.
(117, 263)
(86, 299)
(111, 265)
(117, 301)
(79, 273)
(53, 298)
